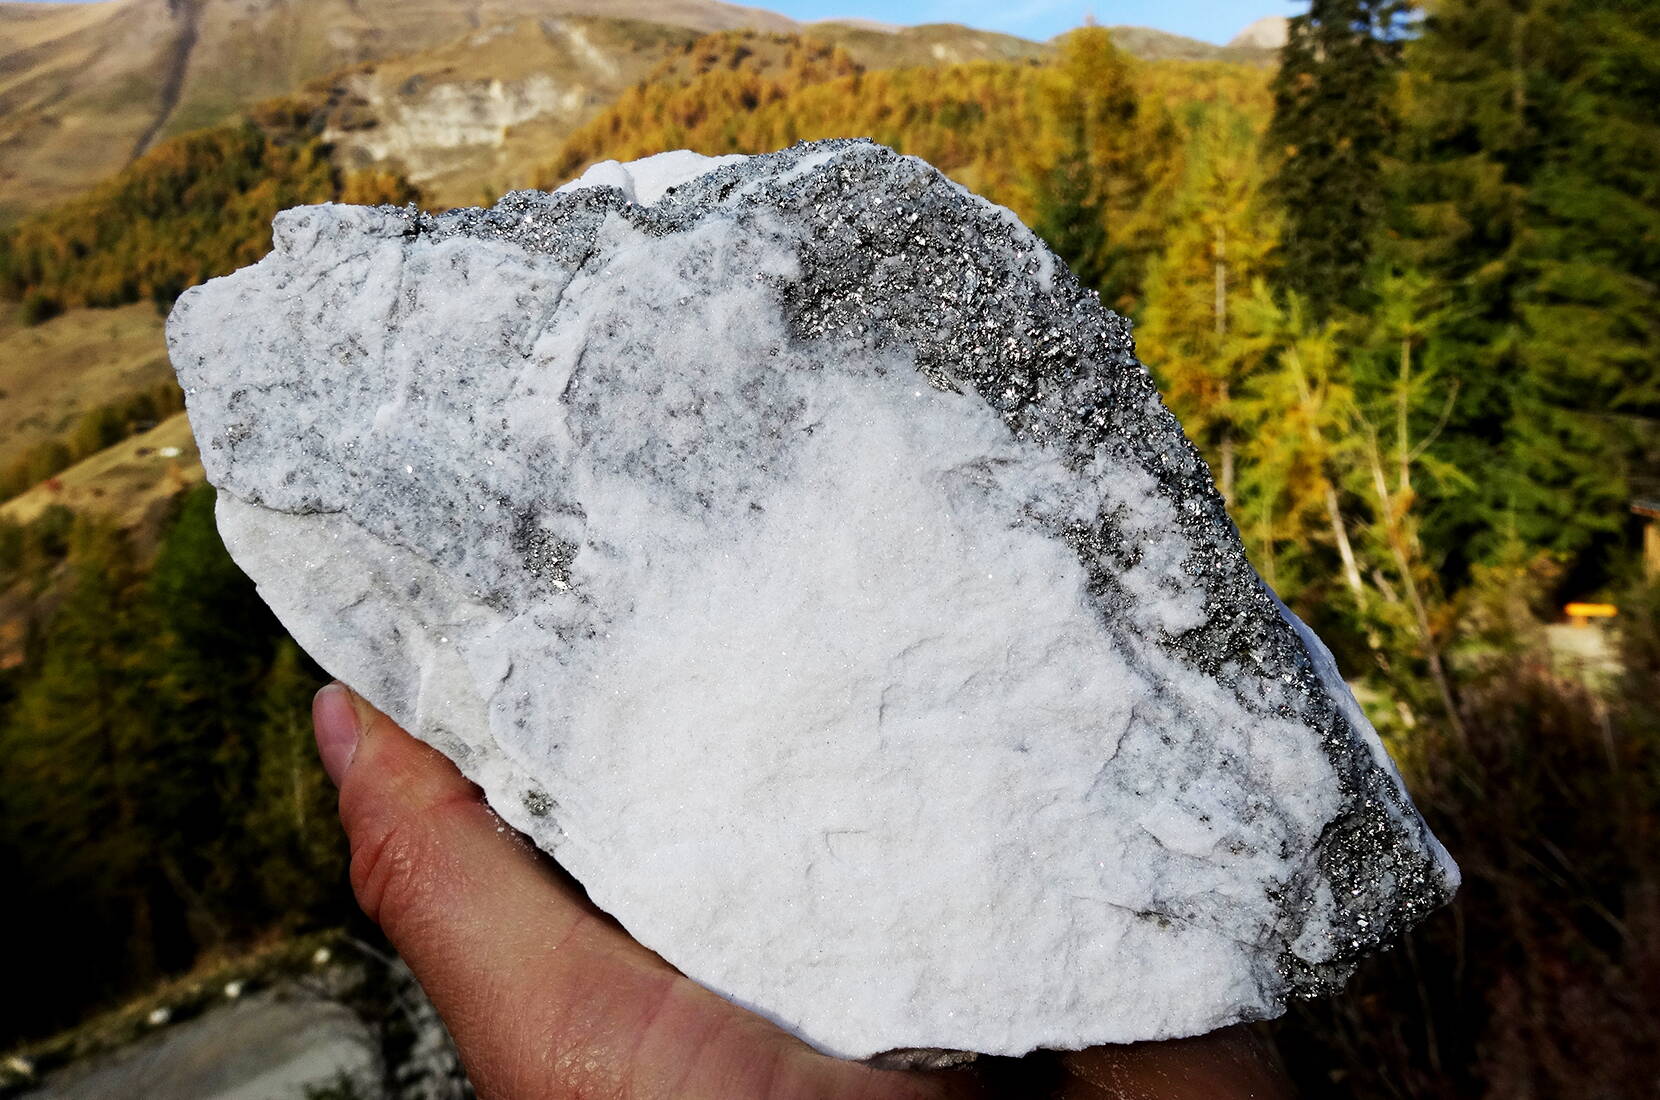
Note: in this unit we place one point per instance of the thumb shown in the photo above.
(544, 994)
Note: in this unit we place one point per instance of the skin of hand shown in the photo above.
(546, 996)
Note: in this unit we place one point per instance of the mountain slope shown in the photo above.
(456, 92)
(253, 49)
(461, 120)
(471, 118)
(81, 85)
(84, 88)
(878, 47)
(1268, 33)
(51, 374)
(1153, 45)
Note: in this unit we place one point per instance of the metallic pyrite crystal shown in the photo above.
(794, 550)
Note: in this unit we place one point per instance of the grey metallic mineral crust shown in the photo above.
(455, 450)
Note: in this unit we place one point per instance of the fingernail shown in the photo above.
(366, 713)
(338, 728)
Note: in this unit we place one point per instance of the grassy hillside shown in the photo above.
(194, 207)
(124, 484)
(85, 88)
(81, 85)
(929, 44)
(1154, 45)
(53, 374)
(245, 50)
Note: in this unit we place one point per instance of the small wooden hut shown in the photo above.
(1649, 509)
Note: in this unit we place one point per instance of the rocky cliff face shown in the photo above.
(462, 119)
(470, 119)
(1267, 33)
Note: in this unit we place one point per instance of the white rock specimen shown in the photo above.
(793, 549)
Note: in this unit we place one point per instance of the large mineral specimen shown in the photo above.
(793, 549)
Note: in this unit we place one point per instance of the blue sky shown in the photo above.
(1208, 20)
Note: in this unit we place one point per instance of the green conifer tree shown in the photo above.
(76, 772)
(1529, 187)
(290, 818)
(1294, 416)
(1221, 231)
(1333, 125)
(212, 640)
(1103, 156)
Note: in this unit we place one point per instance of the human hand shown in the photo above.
(546, 996)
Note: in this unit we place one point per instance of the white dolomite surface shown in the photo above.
(791, 548)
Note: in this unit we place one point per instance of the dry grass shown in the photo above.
(51, 374)
(84, 83)
(80, 86)
(125, 483)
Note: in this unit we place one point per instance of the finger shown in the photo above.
(544, 995)
(1232, 1064)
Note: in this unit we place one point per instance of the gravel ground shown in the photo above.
(272, 1045)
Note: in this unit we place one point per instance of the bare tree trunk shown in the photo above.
(295, 777)
(1269, 565)
(1403, 442)
(1334, 513)
(1340, 535)
(1220, 307)
(1415, 599)
(200, 912)
(1227, 466)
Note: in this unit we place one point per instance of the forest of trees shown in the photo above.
(95, 430)
(1404, 294)
(191, 209)
(160, 794)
